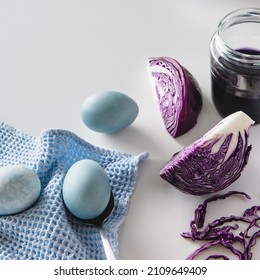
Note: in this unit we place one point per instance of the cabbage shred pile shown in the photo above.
(222, 231)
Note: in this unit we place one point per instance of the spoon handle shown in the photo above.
(106, 244)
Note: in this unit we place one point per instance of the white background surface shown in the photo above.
(53, 54)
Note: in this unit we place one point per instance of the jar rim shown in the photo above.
(239, 16)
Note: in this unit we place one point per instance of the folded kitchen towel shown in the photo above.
(45, 231)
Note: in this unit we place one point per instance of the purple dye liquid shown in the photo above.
(249, 51)
(228, 100)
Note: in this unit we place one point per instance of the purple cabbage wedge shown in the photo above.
(178, 93)
(215, 160)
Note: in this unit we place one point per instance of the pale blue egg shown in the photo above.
(20, 187)
(109, 111)
(86, 189)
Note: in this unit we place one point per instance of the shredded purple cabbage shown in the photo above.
(181, 102)
(197, 170)
(217, 257)
(218, 232)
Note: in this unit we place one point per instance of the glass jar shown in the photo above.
(235, 64)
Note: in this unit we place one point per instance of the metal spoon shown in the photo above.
(99, 221)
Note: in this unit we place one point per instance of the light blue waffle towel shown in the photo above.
(44, 231)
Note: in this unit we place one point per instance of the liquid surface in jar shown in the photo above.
(249, 51)
(227, 102)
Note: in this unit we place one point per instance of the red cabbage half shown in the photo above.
(214, 161)
(178, 93)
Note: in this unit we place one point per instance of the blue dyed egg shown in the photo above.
(86, 189)
(109, 111)
(20, 187)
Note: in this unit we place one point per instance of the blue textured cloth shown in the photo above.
(45, 231)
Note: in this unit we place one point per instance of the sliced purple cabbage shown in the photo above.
(221, 233)
(178, 93)
(214, 161)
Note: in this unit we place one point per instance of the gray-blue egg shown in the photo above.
(86, 189)
(109, 111)
(20, 187)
